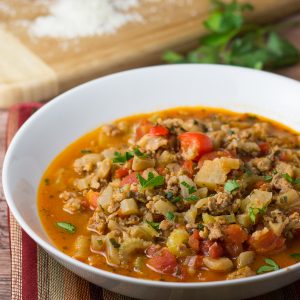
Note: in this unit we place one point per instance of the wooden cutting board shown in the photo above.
(35, 69)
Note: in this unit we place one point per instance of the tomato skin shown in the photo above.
(264, 148)
(129, 179)
(159, 130)
(164, 262)
(143, 129)
(122, 172)
(233, 249)
(212, 155)
(215, 250)
(267, 243)
(235, 234)
(200, 142)
(195, 261)
(92, 198)
(194, 240)
(188, 167)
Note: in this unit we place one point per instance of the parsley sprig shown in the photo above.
(151, 182)
(121, 159)
(230, 40)
(154, 225)
(290, 179)
(254, 212)
(231, 185)
(66, 226)
(191, 189)
(270, 266)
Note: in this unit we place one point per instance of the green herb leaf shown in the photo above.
(297, 181)
(121, 159)
(86, 151)
(170, 216)
(151, 182)
(271, 266)
(230, 40)
(295, 256)
(191, 198)
(175, 199)
(268, 178)
(254, 211)
(114, 243)
(231, 185)
(200, 226)
(154, 225)
(191, 189)
(66, 226)
(138, 153)
(288, 178)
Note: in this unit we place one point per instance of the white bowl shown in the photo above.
(84, 108)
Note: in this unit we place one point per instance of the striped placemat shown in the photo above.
(36, 275)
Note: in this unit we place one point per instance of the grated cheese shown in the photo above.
(76, 18)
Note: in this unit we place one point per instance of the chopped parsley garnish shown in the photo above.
(170, 216)
(191, 198)
(268, 178)
(152, 181)
(138, 153)
(254, 211)
(121, 159)
(114, 243)
(288, 178)
(200, 226)
(231, 185)
(86, 151)
(270, 266)
(47, 181)
(154, 225)
(295, 256)
(191, 189)
(175, 199)
(66, 226)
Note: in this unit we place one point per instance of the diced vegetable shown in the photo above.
(144, 231)
(176, 240)
(105, 199)
(131, 246)
(158, 130)
(97, 242)
(257, 199)
(140, 164)
(288, 199)
(194, 144)
(122, 172)
(103, 168)
(187, 186)
(212, 155)
(128, 207)
(92, 198)
(164, 262)
(245, 258)
(129, 179)
(81, 247)
(215, 172)
(163, 207)
(222, 264)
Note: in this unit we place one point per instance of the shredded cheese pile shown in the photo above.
(76, 18)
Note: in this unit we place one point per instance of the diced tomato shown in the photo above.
(283, 156)
(161, 170)
(129, 179)
(194, 240)
(122, 172)
(212, 155)
(235, 234)
(152, 250)
(164, 263)
(267, 242)
(188, 167)
(264, 148)
(204, 247)
(92, 198)
(259, 183)
(195, 144)
(143, 129)
(233, 249)
(297, 233)
(215, 250)
(159, 130)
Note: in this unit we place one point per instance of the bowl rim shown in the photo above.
(52, 250)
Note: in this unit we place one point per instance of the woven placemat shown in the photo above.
(36, 275)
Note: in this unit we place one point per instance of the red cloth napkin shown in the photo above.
(35, 275)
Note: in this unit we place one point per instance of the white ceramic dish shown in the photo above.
(84, 108)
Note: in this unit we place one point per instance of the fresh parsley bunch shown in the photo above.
(232, 41)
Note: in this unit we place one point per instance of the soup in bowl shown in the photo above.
(174, 190)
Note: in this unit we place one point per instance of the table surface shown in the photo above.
(293, 34)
